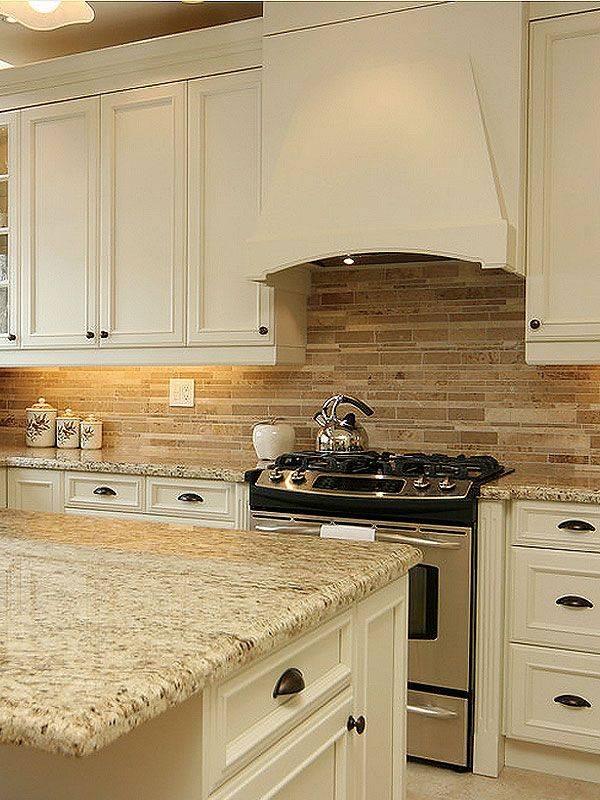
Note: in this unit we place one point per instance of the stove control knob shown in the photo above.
(446, 485)
(421, 483)
(275, 475)
(298, 476)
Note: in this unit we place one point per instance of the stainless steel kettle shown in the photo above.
(341, 435)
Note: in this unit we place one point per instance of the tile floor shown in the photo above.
(429, 783)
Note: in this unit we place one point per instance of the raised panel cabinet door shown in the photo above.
(224, 202)
(35, 490)
(59, 236)
(378, 757)
(313, 761)
(9, 229)
(563, 277)
(142, 273)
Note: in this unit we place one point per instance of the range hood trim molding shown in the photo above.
(484, 243)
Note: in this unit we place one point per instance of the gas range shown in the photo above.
(372, 483)
(429, 501)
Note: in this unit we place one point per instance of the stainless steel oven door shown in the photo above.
(439, 626)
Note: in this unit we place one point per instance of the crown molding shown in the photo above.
(209, 51)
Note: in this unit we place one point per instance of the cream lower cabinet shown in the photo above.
(553, 653)
(35, 490)
(563, 285)
(3, 479)
(59, 234)
(143, 163)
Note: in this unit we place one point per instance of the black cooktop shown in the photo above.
(479, 468)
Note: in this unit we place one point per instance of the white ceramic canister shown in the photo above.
(40, 430)
(273, 437)
(67, 430)
(91, 433)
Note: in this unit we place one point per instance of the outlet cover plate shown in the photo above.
(181, 393)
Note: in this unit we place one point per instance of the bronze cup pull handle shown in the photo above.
(290, 682)
(572, 701)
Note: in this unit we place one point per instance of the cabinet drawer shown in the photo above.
(538, 679)
(573, 526)
(194, 498)
(556, 598)
(243, 717)
(122, 492)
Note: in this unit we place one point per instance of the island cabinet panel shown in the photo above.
(380, 693)
(59, 237)
(563, 290)
(142, 272)
(311, 762)
(35, 489)
(224, 202)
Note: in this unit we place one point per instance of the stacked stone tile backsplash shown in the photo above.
(437, 349)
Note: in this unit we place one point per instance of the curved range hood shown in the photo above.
(369, 150)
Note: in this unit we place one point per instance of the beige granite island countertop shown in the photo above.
(227, 467)
(110, 622)
(560, 482)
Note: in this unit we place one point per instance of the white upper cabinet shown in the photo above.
(224, 201)
(563, 279)
(9, 223)
(59, 195)
(143, 225)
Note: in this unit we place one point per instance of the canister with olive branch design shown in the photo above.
(91, 433)
(67, 430)
(40, 428)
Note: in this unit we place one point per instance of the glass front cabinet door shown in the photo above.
(9, 129)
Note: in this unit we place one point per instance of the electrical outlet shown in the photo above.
(181, 392)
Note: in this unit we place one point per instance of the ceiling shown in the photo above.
(117, 23)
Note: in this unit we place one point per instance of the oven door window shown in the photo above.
(423, 602)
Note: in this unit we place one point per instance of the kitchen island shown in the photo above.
(260, 665)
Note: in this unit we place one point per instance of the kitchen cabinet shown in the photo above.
(3, 479)
(9, 209)
(224, 202)
(563, 290)
(35, 489)
(59, 195)
(143, 166)
(552, 686)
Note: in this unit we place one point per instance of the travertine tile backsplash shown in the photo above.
(436, 349)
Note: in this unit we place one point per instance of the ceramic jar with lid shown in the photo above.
(40, 429)
(67, 430)
(91, 433)
(272, 438)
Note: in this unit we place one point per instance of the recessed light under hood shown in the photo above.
(370, 150)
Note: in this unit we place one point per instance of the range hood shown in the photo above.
(375, 145)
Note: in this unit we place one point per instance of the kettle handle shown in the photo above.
(330, 406)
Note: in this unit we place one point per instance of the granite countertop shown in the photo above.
(110, 622)
(560, 482)
(227, 467)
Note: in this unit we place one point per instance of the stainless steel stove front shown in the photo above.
(440, 621)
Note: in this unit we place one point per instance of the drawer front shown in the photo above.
(210, 500)
(556, 598)
(573, 526)
(120, 492)
(243, 715)
(539, 678)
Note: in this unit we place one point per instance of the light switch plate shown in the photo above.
(181, 392)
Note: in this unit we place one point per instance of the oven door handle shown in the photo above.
(288, 528)
(432, 711)
(394, 537)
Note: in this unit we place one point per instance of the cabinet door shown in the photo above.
(35, 489)
(311, 762)
(143, 216)
(563, 288)
(381, 674)
(224, 199)
(59, 194)
(9, 159)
